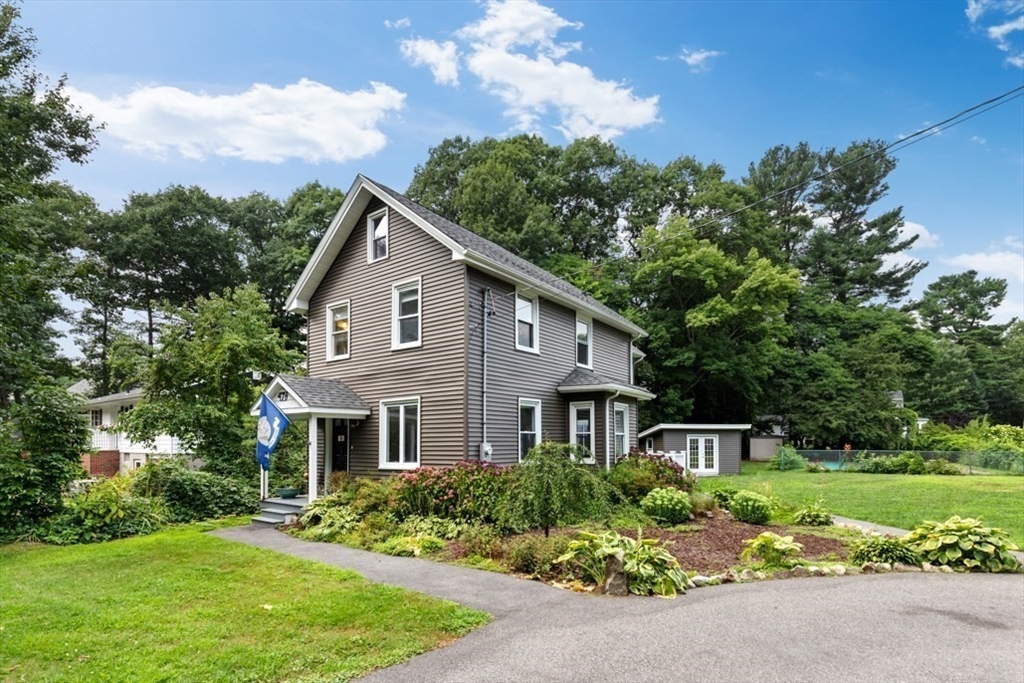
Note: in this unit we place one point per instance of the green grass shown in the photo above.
(898, 500)
(180, 605)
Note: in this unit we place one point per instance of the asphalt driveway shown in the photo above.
(892, 627)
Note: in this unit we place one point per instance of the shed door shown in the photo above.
(702, 453)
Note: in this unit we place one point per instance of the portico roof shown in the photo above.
(581, 381)
(299, 396)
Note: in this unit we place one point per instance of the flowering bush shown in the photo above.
(469, 490)
(637, 474)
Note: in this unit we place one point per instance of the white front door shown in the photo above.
(702, 453)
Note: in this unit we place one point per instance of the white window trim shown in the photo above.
(625, 426)
(395, 288)
(572, 427)
(702, 469)
(590, 342)
(369, 235)
(537, 418)
(536, 322)
(94, 423)
(383, 434)
(330, 330)
(649, 444)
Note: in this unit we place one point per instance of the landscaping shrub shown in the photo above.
(192, 496)
(372, 495)
(878, 548)
(814, 514)
(637, 474)
(534, 554)
(774, 550)
(904, 463)
(648, 566)
(702, 502)
(481, 540)
(469, 490)
(410, 546)
(328, 524)
(816, 468)
(667, 505)
(786, 459)
(942, 466)
(375, 528)
(724, 495)
(105, 511)
(448, 529)
(549, 487)
(964, 543)
(750, 507)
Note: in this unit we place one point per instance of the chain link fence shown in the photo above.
(1004, 461)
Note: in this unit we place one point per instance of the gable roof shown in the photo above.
(321, 396)
(465, 245)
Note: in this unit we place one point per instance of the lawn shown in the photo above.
(180, 605)
(899, 500)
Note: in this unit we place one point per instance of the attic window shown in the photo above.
(282, 396)
(377, 235)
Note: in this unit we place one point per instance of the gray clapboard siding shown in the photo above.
(434, 371)
(611, 352)
(729, 445)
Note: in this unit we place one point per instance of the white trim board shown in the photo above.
(720, 427)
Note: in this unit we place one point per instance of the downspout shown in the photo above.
(609, 406)
(487, 314)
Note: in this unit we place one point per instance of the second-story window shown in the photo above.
(406, 315)
(377, 235)
(583, 343)
(527, 313)
(95, 417)
(338, 331)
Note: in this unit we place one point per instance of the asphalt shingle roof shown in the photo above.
(324, 393)
(469, 240)
(581, 377)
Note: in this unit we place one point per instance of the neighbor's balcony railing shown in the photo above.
(104, 440)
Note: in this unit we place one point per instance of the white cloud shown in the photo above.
(305, 120)
(515, 52)
(1013, 242)
(925, 239)
(1006, 311)
(1005, 264)
(697, 60)
(979, 140)
(1001, 29)
(404, 22)
(442, 58)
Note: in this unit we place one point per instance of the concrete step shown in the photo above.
(266, 521)
(279, 509)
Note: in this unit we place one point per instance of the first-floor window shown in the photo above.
(400, 433)
(621, 429)
(581, 422)
(95, 417)
(529, 425)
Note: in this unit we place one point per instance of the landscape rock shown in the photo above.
(615, 582)
(883, 567)
(715, 581)
(709, 514)
(945, 569)
(814, 571)
(730, 577)
(840, 570)
(801, 572)
(928, 567)
(868, 567)
(690, 584)
(760, 576)
(747, 575)
(901, 567)
(784, 574)
(826, 571)
(700, 580)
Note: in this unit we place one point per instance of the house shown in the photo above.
(112, 452)
(428, 344)
(704, 449)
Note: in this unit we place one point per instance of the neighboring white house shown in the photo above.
(112, 451)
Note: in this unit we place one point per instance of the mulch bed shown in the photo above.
(717, 545)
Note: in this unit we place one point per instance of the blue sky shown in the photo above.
(237, 97)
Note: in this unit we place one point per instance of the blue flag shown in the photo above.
(268, 430)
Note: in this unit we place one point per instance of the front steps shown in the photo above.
(274, 511)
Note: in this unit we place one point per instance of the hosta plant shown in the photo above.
(964, 543)
(750, 507)
(648, 566)
(814, 514)
(878, 548)
(772, 549)
(328, 522)
(410, 546)
(667, 505)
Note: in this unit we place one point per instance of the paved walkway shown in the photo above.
(908, 627)
(893, 531)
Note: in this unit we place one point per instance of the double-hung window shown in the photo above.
(406, 307)
(620, 421)
(527, 319)
(581, 427)
(583, 334)
(95, 418)
(377, 235)
(338, 332)
(529, 425)
(400, 433)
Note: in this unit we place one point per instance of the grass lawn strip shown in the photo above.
(899, 500)
(181, 605)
